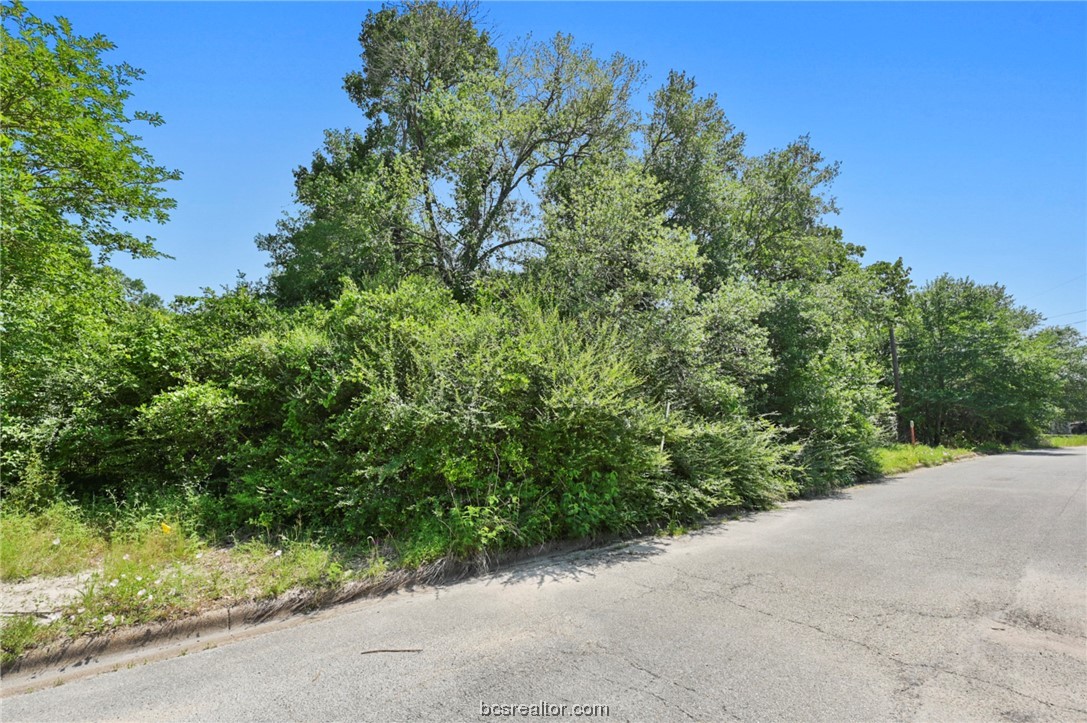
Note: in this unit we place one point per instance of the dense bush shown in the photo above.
(825, 386)
(402, 413)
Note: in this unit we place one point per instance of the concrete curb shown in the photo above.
(67, 660)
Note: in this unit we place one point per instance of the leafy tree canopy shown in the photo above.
(973, 366)
(71, 163)
(445, 178)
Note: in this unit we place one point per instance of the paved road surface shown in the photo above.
(951, 593)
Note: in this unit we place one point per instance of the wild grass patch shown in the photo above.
(150, 567)
(1065, 440)
(904, 457)
(57, 541)
(20, 632)
(273, 569)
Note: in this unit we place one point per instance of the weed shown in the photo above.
(674, 529)
(274, 569)
(19, 632)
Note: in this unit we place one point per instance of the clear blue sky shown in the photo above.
(961, 128)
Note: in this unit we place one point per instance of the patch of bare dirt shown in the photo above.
(41, 596)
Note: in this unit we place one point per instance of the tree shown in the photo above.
(1069, 348)
(973, 367)
(354, 224)
(71, 170)
(70, 160)
(777, 222)
(467, 137)
(824, 385)
(759, 217)
(893, 293)
(695, 153)
(409, 52)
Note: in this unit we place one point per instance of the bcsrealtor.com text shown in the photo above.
(542, 709)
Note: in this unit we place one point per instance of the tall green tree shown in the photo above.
(825, 382)
(71, 160)
(73, 172)
(761, 217)
(972, 366)
(892, 297)
(468, 138)
(355, 224)
(696, 155)
(1069, 347)
(778, 222)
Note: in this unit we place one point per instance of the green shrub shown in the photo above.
(401, 413)
(185, 430)
(35, 490)
(734, 463)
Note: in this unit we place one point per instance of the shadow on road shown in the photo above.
(581, 564)
(1058, 452)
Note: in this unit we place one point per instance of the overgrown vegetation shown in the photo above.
(135, 568)
(512, 310)
(1066, 440)
(904, 457)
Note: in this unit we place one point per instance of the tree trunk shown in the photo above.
(898, 388)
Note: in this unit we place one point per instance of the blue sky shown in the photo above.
(960, 127)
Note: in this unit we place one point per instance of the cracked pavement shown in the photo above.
(958, 592)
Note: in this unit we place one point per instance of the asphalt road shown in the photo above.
(955, 593)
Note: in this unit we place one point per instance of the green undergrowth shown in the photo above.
(56, 542)
(144, 562)
(21, 632)
(904, 457)
(155, 561)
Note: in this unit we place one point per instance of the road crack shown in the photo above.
(890, 657)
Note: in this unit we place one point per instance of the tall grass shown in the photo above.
(904, 457)
(57, 541)
(1065, 440)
